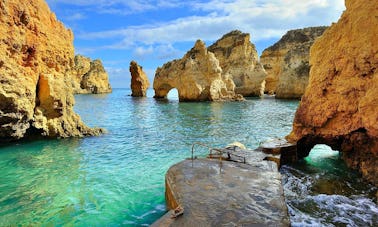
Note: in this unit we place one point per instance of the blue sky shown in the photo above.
(153, 32)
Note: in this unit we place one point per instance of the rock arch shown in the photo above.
(197, 77)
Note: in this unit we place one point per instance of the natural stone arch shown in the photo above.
(197, 77)
(162, 91)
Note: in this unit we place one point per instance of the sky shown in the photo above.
(153, 32)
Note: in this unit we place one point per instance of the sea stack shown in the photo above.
(238, 57)
(139, 80)
(89, 76)
(287, 63)
(340, 105)
(37, 56)
(197, 77)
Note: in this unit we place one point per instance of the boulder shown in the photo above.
(197, 77)
(36, 59)
(89, 76)
(340, 105)
(287, 62)
(139, 80)
(238, 57)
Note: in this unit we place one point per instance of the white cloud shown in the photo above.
(263, 19)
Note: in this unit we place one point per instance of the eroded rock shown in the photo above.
(197, 77)
(35, 82)
(139, 80)
(340, 105)
(89, 76)
(238, 57)
(287, 62)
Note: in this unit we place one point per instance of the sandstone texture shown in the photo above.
(89, 76)
(36, 59)
(139, 80)
(197, 77)
(226, 194)
(340, 105)
(238, 57)
(287, 62)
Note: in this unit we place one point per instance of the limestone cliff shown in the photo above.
(139, 80)
(287, 62)
(238, 57)
(340, 105)
(89, 76)
(197, 77)
(36, 57)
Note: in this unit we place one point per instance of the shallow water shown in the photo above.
(117, 179)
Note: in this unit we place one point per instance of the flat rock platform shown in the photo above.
(226, 193)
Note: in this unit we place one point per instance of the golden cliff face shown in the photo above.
(287, 62)
(197, 77)
(340, 105)
(139, 80)
(238, 57)
(89, 76)
(35, 84)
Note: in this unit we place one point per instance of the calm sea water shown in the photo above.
(117, 179)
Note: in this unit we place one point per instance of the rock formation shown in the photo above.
(287, 62)
(238, 57)
(139, 80)
(89, 76)
(340, 105)
(36, 58)
(197, 77)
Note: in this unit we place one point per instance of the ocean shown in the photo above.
(117, 179)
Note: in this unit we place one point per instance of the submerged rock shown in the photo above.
(197, 77)
(89, 76)
(340, 105)
(238, 57)
(139, 80)
(287, 62)
(36, 59)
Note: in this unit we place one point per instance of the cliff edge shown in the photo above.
(340, 105)
(36, 96)
(287, 62)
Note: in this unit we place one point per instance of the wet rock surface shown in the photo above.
(226, 194)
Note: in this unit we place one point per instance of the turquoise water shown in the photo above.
(117, 179)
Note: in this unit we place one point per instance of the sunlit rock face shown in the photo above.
(239, 59)
(139, 80)
(197, 77)
(89, 76)
(36, 58)
(287, 62)
(340, 105)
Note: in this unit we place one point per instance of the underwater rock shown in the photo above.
(340, 105)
